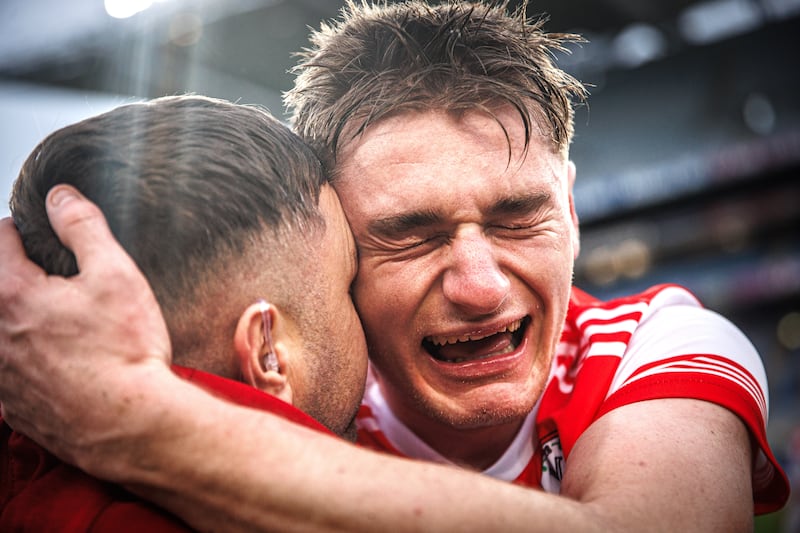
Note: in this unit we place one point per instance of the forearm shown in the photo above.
(239, 469)
(225, 467)
(220, 466)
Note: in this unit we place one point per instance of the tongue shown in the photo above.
(471, 350)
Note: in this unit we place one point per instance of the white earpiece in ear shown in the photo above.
(270, 360)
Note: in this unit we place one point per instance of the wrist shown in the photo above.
(131, 417)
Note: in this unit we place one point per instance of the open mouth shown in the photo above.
(465, 348)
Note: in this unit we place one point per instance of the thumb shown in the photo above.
(109, 279)
(82, 227)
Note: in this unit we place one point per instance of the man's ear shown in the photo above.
(576, 240)
(261, 330)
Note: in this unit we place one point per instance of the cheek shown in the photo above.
(549, 261)
(384, 308)
(363, 298)
(383, 293)
(371, 315)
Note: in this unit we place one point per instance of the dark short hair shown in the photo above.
(182, 181)
(378, 60)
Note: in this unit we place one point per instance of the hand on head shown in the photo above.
(66, 342)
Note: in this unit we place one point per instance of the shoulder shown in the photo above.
(690, 342)
(584, 307)
(680, 350)
(666, 344)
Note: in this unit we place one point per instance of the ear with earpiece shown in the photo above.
(262, 357)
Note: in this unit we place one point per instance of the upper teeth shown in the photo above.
(442, 340)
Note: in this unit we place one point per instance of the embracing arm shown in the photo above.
(661, 464)
(267, 475)
(689, 473)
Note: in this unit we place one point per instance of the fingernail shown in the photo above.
(61, 195)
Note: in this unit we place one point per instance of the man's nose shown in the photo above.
(473, 280)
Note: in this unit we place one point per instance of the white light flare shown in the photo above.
(122, 9)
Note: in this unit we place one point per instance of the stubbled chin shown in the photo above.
(489, 414)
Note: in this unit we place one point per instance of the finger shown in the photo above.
(15, 263)
(104, 267)
(81, 227)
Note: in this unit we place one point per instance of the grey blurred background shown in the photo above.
(688, 153)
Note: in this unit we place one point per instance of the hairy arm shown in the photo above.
(99, 339)
(267, 475)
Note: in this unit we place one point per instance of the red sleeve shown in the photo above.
(770, 484)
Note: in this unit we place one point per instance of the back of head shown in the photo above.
(379, 60)
(188, 184)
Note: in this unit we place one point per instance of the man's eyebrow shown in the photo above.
(520, 205)
(404, 223)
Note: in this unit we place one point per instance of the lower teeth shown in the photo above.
(463, 359)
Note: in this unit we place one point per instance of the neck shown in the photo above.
(476, 448)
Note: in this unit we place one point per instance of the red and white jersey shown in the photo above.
(658, 344)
